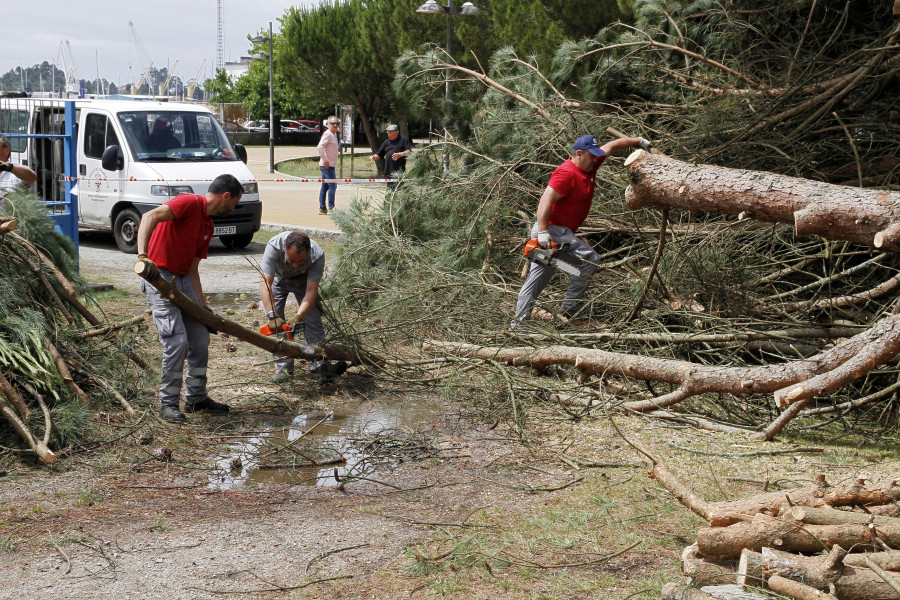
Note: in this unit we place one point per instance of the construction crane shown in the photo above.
(137, 88)
(164, 87)
(144, 56)
(69, 67)
(192, 84)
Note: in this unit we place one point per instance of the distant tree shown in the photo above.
(341, 53)
(220, 88)
(252, 88)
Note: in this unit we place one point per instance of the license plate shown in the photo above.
(225, 230)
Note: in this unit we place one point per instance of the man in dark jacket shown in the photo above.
(394, 151)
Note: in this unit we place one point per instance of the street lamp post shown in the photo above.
(433, 7)
(262, 38)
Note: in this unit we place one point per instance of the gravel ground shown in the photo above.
(100, 261)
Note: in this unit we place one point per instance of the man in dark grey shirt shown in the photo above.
(294, 264)
(394, 151)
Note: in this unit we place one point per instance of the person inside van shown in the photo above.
(162, 138)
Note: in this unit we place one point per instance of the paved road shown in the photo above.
(285, 205)
(298, 203)
(101, 262)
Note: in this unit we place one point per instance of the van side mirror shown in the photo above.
(112, 159)
(241, 152)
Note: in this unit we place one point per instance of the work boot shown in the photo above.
(172, 414)
(323, 211)
(282, 375)
(205, 404)
(329, 372)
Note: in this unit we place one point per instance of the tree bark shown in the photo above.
(816, 571)
(794, 589)
(829, 516)
(863, 584)
(273, 344)
(818, 495)
(674, 591)
(889, 561)
(764, 531)
(750, 569)
(706, 571)
(864, 216)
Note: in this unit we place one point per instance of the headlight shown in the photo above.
(250, 188)
(170, 190)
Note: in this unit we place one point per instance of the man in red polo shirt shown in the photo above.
(176, 236)
(562, 209)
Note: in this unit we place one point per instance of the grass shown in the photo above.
(86, 496)
(8, 545)
(161, 526)
(309, 167)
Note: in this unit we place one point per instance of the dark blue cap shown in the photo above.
(589, 143)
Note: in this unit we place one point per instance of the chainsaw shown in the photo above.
(287, 331)
(550, 256)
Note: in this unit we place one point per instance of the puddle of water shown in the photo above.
(268, 458)
(222, 301)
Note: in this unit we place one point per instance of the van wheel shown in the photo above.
(236, 242)
(125, 230)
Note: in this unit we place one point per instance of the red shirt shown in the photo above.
(577, 190)
(175, 244)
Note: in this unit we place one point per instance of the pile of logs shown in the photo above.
(824, 542)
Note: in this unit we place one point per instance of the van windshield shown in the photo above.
(175, 136)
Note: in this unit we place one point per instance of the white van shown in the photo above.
(131, 157)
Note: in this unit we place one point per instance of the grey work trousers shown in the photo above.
(183, 338)
(539, 275)
(313, 329)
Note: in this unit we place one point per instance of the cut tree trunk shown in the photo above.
(864, 216)
(889, 561)
(273, 344)
(830, 516)
(749, 570)
(764, 531)
(794, 589)
(817, 495)
(674, 591)
(863, 584)
(706, 571)
(816, 571)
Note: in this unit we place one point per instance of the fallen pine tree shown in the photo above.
(46, 369)
(840, 364)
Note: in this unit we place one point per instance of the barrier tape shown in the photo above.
(285, 180)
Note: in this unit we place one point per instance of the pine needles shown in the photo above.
(706, 81)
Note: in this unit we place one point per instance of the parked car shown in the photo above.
(313, 125)
(304, 126)
(233, 127)
(262, 126)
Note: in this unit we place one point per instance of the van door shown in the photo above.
(99, 189)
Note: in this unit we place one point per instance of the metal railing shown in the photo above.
(42, 133)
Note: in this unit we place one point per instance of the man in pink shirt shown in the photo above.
(328, 155)
(562, 209)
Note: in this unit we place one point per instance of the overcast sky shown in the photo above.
(98, 32)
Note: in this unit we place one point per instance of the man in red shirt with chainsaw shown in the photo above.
(562, 209)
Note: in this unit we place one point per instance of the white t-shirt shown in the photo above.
(8, 181)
